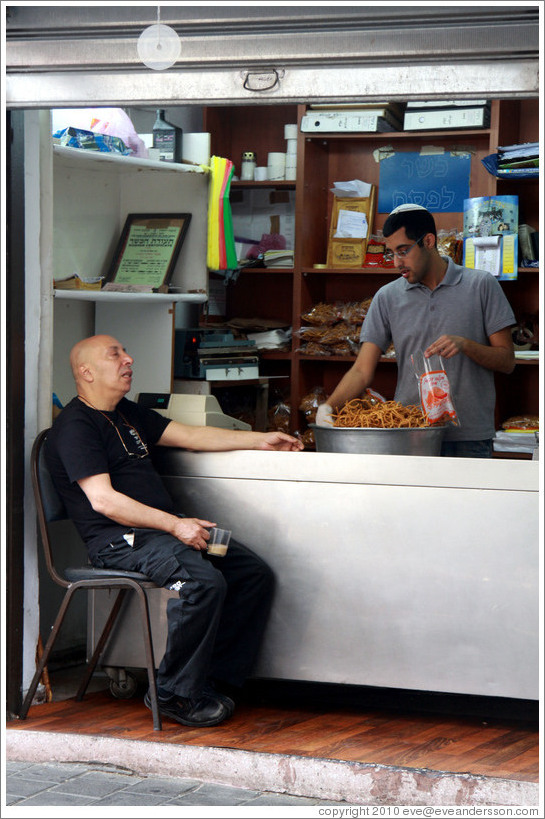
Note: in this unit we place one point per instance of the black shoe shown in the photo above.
(212, 692)
(202, 712)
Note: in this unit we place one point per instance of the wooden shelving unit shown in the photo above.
(323, 159)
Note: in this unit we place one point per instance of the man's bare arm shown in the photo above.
(122, 509)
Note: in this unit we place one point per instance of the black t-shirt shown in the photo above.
(84, 442)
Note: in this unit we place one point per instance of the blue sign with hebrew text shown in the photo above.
(439, 182)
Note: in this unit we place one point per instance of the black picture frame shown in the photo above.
(147, 251)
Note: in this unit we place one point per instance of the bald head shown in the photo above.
(102, 370)
(85, 352)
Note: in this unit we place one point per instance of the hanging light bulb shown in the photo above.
(159, 46)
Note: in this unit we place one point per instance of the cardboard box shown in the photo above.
(346, 252)
(350, 252)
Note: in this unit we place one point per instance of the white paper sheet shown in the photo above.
(351, 225)
(488, 254)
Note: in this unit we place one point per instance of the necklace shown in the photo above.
(134, 433)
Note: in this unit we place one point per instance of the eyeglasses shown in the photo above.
(388, 255)
(144, 451)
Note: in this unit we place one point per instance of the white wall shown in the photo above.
(90, 203)
(38, 348)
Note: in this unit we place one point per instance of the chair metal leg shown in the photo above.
(150, 659)
(112, 617)
(55, 628)
(101, 643)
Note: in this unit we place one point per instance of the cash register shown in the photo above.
(194, 410)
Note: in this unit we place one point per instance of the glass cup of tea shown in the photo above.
(219, 542)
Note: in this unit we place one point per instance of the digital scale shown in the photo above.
(190, 409)
(214, 356)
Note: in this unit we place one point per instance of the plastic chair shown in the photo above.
(51, 508)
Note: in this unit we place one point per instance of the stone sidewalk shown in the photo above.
(69, 784)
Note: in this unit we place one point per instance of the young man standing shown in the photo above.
(437, 307)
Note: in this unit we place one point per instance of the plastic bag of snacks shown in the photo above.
(450, 243)
(78, 138)
(354, 312)
(330, 339)
(112, 122)
(434, 388)
(279, 416)
(307, 437)
(374, 397)
(322, 313)
(374, 254)
(311, 401)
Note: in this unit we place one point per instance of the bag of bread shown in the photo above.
(521, 423)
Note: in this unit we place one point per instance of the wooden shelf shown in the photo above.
(442, 133)
(258, 270)
(388, 271)
(276, 355)
(532, 361)
(277, 184)
(351, 271)
(347, 358)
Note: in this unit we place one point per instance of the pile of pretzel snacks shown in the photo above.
(388, 415)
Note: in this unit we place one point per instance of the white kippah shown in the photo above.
(407, 206)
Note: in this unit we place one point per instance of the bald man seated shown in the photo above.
(98, 453)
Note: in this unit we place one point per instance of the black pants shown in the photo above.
(467, 449)
(216, 624)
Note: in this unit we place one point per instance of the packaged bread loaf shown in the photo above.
(522, 422)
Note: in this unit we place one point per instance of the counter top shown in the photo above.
(331, 467)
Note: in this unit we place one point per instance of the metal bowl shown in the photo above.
(373, 441)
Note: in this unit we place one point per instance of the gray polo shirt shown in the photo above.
(467, 303)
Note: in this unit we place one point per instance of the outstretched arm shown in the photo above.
(216, 439)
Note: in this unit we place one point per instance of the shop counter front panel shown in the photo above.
(412, 573)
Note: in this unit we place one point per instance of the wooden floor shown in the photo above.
(480, 745)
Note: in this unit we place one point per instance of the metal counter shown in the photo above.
(413, 573)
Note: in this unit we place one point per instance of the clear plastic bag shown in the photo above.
(279, 416)
(434, 388)
(322, 313)
(311, 401)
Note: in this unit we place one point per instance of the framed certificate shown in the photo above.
(147, 252)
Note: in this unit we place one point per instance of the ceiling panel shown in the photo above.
(60, 54)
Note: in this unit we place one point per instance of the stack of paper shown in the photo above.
(521, 160)
(278, 258)
(515, 441)
(271, 339)
(513, 157)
